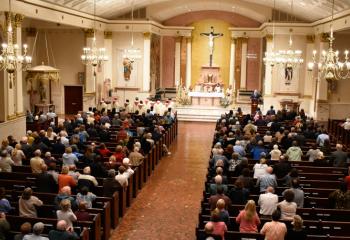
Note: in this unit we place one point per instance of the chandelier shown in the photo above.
(330, 66)
(11, 58)
(132, 53)
(94, 56)
(289, 58)
(270, 56)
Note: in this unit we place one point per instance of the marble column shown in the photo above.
(18, 83)
(188, 61)
(232, 64)
(322, 90)
(309, 85)
(244, 63)
(321, 105)
(268, 68)
(109, 52)
(90, 72)
(146, 62)
(32, 51)
(177, 73)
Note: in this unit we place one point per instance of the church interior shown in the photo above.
(163, 119)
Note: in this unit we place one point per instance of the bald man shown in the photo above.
(63, 232)
(267, 180)
(208, 232)
(268, 202)
(214, 186)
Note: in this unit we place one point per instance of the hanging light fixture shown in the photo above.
(289, 58)
(11, 58)
(270, 56)
(132, 53)
(94, 56)
(329, 66)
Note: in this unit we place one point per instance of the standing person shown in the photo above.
(66, 213)
(4, 226)
(287, 206)
(219, 226)
(294, 153)
(274, 230)
(28, 203)
(5, 205)
(268, 202)
(18, 155)
(63, 232)
(248, 218)
(339, 157)
(297, 232)
(37, 162)
(5, 162)
(38, 229)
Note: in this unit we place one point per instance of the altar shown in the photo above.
(206, 98)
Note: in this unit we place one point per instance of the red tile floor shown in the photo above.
(168, 206)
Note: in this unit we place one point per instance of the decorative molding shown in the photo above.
(89, 94)
(310, 38)
(108, 34)
(11, 117)
(178, 39)
(89, 33)
(147, 35)
(127, 88)
(287, 94)
(18, 19)
(244, 39)
(269, 37)
(324, 37)
(31, 32)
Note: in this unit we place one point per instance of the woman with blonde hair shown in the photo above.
(18, 155)
(66, 213)
(248, 218)
(297, 232)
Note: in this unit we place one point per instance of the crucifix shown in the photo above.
(211, 35)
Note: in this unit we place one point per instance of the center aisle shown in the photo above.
(168, 206)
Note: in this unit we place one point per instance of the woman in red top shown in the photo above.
(119, 154)
(248, 219)
(103, 150)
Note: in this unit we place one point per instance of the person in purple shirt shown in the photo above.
(5, 206)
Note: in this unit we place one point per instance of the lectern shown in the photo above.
(254, 105)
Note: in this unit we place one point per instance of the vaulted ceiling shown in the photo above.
(160, 10)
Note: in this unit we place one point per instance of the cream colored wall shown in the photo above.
(200, 50)
(340, 100)
(66, 47)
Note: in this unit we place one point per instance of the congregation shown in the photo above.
(275, 176)
(71, 168)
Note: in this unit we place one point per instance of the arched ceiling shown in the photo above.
(160, 10)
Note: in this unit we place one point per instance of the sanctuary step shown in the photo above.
(200, 113)
(243, 96)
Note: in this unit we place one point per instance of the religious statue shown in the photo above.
(288, 74)
(42, 92)
(127, 63)
(107, 91)
(210, 78)
(211, 36)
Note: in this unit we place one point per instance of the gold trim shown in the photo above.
(127, 88)
(89, 33)
(18, 20)
(269, 37)
(11, 117)
(147, 35)
(287, 94)
(21, 114)
(324, 37)
(89, 94)
(108, 34)
(310, 38)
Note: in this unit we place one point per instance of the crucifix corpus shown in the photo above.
(211, 36)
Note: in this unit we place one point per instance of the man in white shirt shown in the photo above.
(86, 176)
(128, 171)
(268, 202)
(121, 177)
(346, 125)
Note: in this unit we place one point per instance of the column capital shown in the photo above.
(269, 37)
(108, 34)
(18, 18)
(310, 38)
(234, 40)
(147, 35)
(31, 32)
(178, 39)
(244, 39)
(89, 32)
(324, 37)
